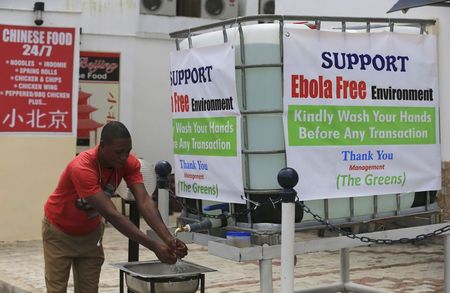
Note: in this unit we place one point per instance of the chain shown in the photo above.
(365, 239)
(316, 217)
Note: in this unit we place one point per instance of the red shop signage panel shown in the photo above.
(36, 74)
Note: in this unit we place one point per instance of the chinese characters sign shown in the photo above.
(36, 73)
(98, 100)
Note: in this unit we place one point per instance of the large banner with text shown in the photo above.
(36, 73)
(206, 124)
(361, 113)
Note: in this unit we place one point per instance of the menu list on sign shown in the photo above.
(37, 73)
(38, 81)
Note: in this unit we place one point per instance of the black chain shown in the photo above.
(365, 239)
(318, 218)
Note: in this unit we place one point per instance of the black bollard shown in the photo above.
(288, 178)
(163, 170)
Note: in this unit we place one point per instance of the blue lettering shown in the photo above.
(355, 156)
(385, 156)
(337, 61)
(191, 75)
(350, 61)
(326, 58)
(375, 65)
(188, 165)
(365, 60)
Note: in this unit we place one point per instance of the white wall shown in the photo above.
(144, 45)
(108, 26)
(30, 164)
(152, 134)
(378, 8)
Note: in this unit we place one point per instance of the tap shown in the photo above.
(204, 224)
(185, 228)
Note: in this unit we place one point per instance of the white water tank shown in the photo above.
(148, 172)
(260, 90)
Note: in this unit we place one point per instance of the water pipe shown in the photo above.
(204, 224)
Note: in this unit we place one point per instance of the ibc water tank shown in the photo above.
(259, 77)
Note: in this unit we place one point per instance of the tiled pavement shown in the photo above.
(399, 268)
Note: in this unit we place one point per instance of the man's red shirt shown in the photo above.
(84, 177)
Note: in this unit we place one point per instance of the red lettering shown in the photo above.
(350, 89)
(314, 88)
(180, 103)
(294, 86)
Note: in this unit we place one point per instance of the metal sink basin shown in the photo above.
(158, 277)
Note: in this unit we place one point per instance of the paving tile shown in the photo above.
(399, 268)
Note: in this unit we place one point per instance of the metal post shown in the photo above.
(287, 178)
(202, 283)
(163, 170)
(265, 275)
(345, 265)
(133, 247)
(163, 205)
(447, 263)
(120, 281)
(287, 246)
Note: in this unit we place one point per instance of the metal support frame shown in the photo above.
(447, 264)
(287, 243)
(133, 247)
(163, 205)
(185, 38)
(186, 33)
(265, 275)
(264, 254)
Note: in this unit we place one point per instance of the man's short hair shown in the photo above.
(113, 130)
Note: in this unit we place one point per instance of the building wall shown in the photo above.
(29, 169)
(144, 44)
(151, 104)
(30, 165)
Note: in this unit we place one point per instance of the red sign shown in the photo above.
(36, 74)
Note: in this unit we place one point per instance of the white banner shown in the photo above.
(361, 113)
(206, 124)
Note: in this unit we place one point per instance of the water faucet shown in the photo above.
(204, 224)
(185, 228)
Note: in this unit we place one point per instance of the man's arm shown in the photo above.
(103, 204)
(149, 210)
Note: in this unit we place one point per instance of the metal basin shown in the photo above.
(157, 277)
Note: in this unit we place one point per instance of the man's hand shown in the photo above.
(149, 210)
(179, 248)
(165, 254)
